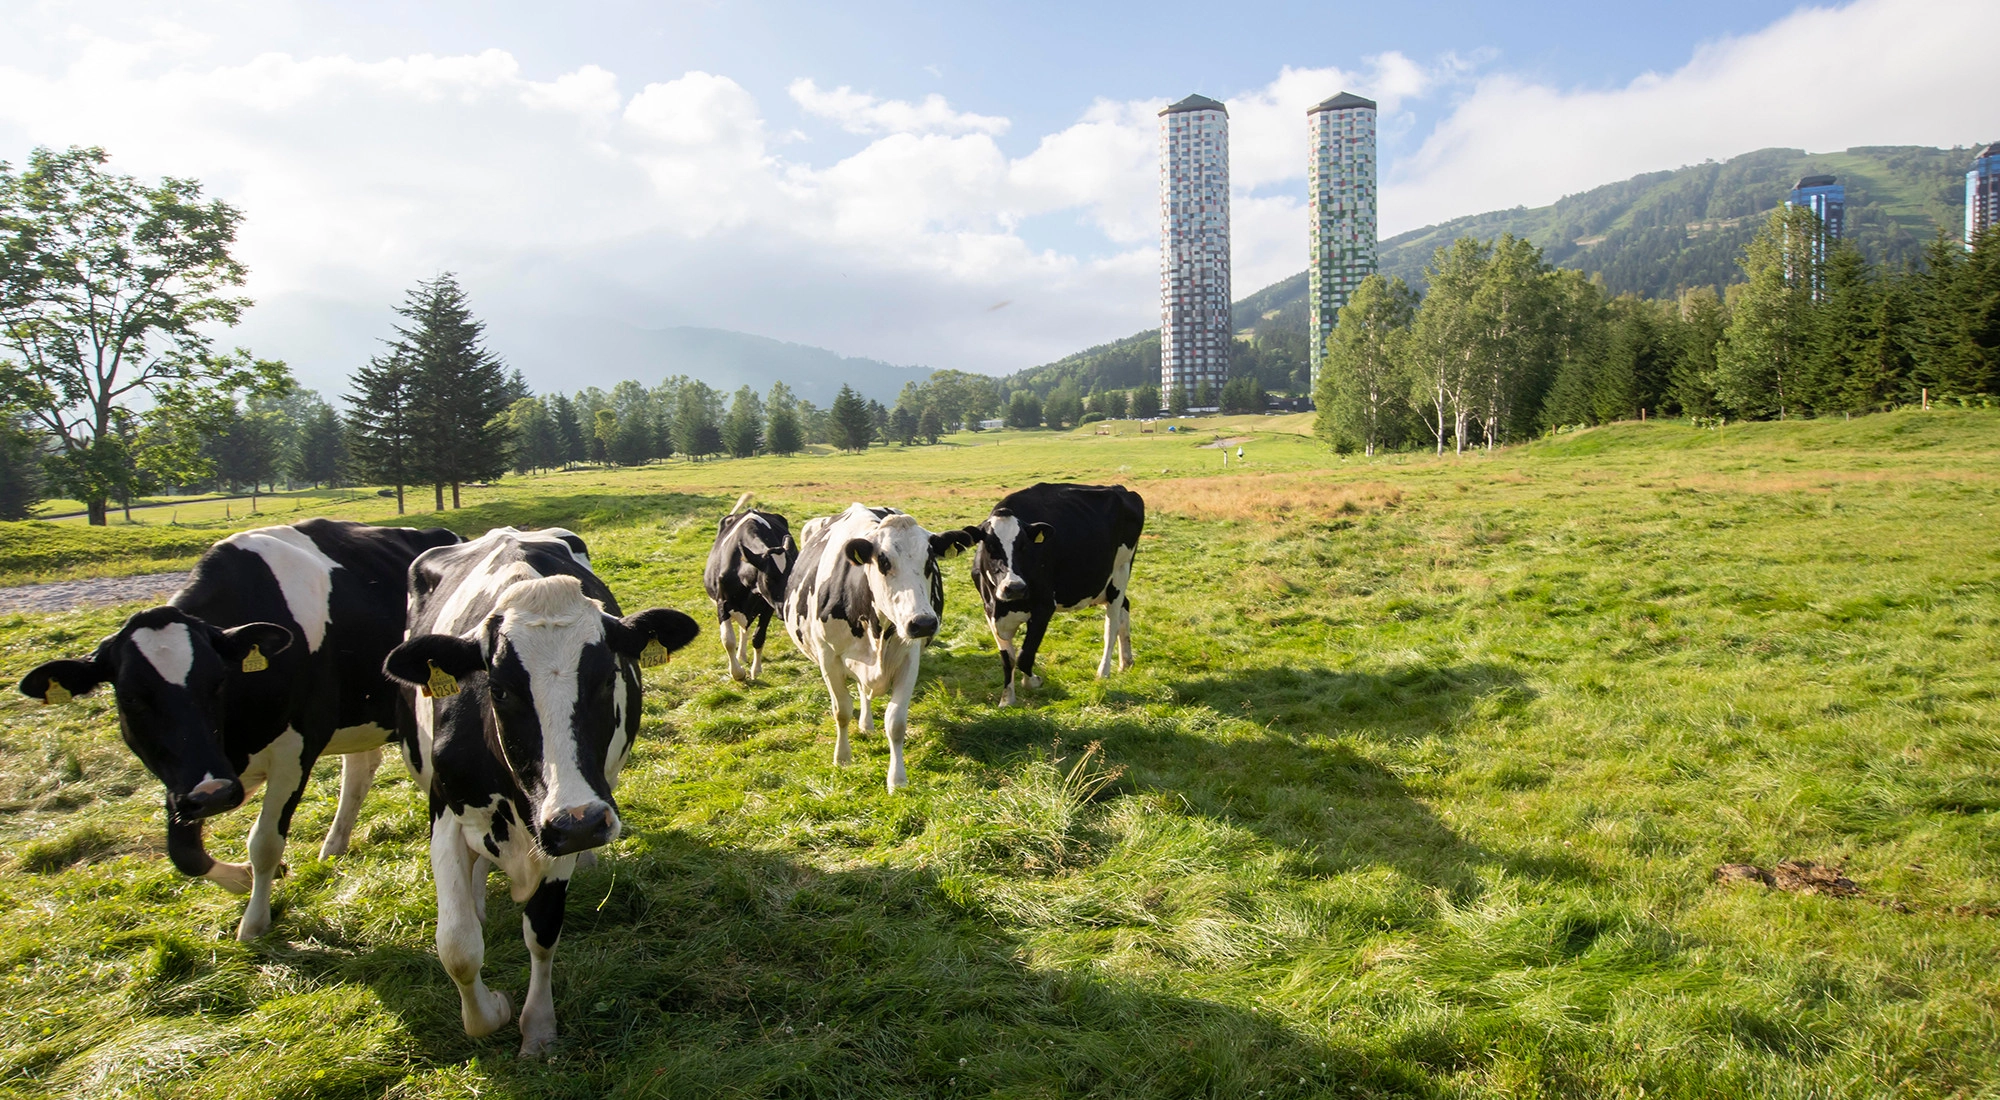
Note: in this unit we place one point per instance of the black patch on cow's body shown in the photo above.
(844, 592)
(1086, 526)
(743, 575)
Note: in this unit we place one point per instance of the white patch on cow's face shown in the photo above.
(1005, 530)
(304, 574)
(169, 649)
(545, 625)
(902, 592)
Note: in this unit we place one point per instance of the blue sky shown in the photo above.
(941, 184)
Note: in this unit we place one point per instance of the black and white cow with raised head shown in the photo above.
(746, 574)
(1055, 547)
(520, 706)
(270, 658)
(865, 598)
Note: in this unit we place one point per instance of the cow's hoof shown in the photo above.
(253, 926)
(334, 847)
(1034, 681)
(538, 1044)
(233, 877)
(491, 1014)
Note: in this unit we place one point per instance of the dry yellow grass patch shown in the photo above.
(1266, 497)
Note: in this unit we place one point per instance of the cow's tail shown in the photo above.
(742, 503)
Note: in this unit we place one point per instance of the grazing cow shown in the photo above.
(1050, 547)
(864, 600)
(270, 658)
(530, 702)
(747, 569)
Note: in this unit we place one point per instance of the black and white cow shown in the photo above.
(746, 573)
(270, 658)
(864, 600)
(1050, 547)
(529, 703)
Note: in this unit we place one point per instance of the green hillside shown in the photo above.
(1650, 235)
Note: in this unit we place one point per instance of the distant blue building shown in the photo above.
(1827, 199)
(1982, 194)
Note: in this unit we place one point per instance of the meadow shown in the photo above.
(1419, 789)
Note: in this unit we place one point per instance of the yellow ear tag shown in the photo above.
(254, 661)
(1040, 535)
(56, 695)
(653, 655)
(442, 684)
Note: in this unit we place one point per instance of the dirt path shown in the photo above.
(60, 596)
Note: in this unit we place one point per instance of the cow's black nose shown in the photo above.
(578, 828)
(209, 798)
(1014, 590)
(923, 626)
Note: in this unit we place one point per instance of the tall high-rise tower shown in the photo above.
(1340, 187)
(1982, 194)
(1195, 328)
(1827, 199)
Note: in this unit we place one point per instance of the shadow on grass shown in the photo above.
(688, 969)
(581, 512)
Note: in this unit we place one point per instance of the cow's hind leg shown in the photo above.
(867, 700)
(461, 935)
(835, 675)
(757, 645)
(728, 632)
(1003, 629)
(1038, 625)
(284, 781)
(541, 926)
(357, 773)
(1124, 633)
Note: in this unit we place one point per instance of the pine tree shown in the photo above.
(1691, 378)
(320, 452)
(782, 434)
(20, 471)
(382, 423)
(930, 425)
(569, 430)
(459, 389)
(744, 427)
(1770, 332)
(852, 428)
(697, 428)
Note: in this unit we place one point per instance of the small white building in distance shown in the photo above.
(1195, 327)
(1340, 190)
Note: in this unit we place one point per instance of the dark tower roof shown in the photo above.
(1341, 102)
(1195, 103)
(1992, 150)
(1814, 181)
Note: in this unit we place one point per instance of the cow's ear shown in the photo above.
(415, 661)
(649, 636)
(859, 551)
(1039, 533)
(56, 681)
(247, 646)
(945, 544)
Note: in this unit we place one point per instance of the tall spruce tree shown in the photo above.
(783, 434)
(743, 430)
(852, 426)
(459, 389)
(569, 430)
(382, 422)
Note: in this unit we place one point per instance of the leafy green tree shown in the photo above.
(851, 425)
(20, 470)
(110, 290)
(697, 421)
(743, 429)
(382, 422)
(1177, 400)
(537, 442)
(1024, 410)
(902, 425)
(1769, 340)
(1244, 394)
(930, 425)
(1112, 404)
(604, 429)
(459, 389)
(246, 453)
(1146, 401)
(636, 439)
(1362, 389)
(1064, 408)
(783, 434)
(1204, 395)
(1445, 342)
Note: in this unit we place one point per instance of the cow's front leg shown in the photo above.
(1038, 625)
(896, 718)
(190, 857)
(728, 631)
(757, 645)
(284, 781)
(1124, 633)
(541, 926)
(867, 702)
(357, 774)
(461, 935)
(1110, 638)
(1004, 629)
(835, 674)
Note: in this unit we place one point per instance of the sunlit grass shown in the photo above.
(1417, 790)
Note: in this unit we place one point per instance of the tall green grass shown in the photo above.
(1420, 796)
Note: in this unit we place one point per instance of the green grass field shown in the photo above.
(1418, 789)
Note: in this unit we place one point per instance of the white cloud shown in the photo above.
(677, 203)
(858, 113)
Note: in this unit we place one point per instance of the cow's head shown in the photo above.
(1010, 554)
(171, 673)
(768, 555)
(560, 696)
(896, 557)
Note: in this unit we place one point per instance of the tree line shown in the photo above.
(1503, 346)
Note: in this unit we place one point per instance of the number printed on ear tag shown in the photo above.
(56, 695)
(442, 684)
(255, 661)
(654, 654)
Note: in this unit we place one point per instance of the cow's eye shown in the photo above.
(498, 693)
(884, 564)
